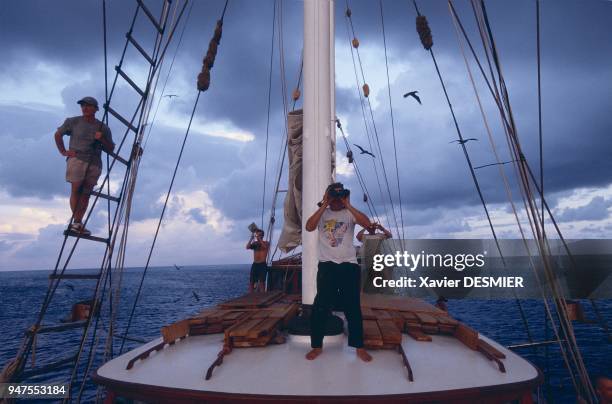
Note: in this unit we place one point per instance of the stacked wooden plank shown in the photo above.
(253, 300)
(254, 319)
(380, 329)
(416, 318)
(261, 327)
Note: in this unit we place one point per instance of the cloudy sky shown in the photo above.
(52, 55)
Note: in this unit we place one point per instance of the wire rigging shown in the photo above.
(397, 176)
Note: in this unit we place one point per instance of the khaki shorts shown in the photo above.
(78, 171)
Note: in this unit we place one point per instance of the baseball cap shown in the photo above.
(88, 100)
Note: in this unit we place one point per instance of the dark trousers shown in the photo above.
(343, 280)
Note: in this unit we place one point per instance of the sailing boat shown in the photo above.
(171, 367)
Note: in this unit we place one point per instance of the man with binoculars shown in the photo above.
(338, 270)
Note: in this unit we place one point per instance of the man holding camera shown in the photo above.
(259, 269)
(338, 270)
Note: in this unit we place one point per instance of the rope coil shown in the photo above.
(422, 27)
(209, 60)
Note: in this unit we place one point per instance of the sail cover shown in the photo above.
(291, 236)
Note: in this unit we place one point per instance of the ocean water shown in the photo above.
(170, 294)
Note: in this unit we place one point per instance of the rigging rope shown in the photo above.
(263, 195)
(201, 88)
(461, 141)
(131, 173)
(524, 174)
(365, 120)
(178, 46)
(369, 104)
(399, 191)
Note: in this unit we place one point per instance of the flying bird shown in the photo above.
(464, 141)
(69, 286)
(364, 151)
(177, 267)
(176, 300)
(195, 295)
(414, 95)
(170, 95)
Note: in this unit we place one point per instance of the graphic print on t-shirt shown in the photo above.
(334, 230)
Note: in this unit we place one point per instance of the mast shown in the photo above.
(318, 131)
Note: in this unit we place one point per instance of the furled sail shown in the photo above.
(291, 236)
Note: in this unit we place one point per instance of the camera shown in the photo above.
(337, 190)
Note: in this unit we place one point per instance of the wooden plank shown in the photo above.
(242, 329)
(253, 299)
(391, 335)
(265, 327)
(382, 315)
(467, 335)
(262, 313)
(233, 315)
(371, 334)
(491, 349)
(367, 313)
(410, 317)
(447, 320)
(417, 334)
(399, 303)
(398, 319)
(175, 331)
(249, 342)
(447, 329)
(427, 319)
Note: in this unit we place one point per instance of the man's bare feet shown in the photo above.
(314, 353)
(364, 355)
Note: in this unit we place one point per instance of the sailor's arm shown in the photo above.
(359, 235)
(360, 218)
(107, 145)
(313, 221)
(385, 231)
(59, 142)
(248, 244)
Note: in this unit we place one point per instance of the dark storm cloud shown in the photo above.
(433, 173)
(596, 209)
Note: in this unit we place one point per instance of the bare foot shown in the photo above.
(364, 355)
(314, 353)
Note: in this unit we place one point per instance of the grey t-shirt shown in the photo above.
(336, 231)
(82, 139)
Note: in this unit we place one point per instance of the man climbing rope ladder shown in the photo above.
(83, 161)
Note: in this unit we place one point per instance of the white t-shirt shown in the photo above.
(336, 232)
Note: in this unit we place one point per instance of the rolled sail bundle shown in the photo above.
(209, 59)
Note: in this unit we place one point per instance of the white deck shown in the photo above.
(443, 364)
